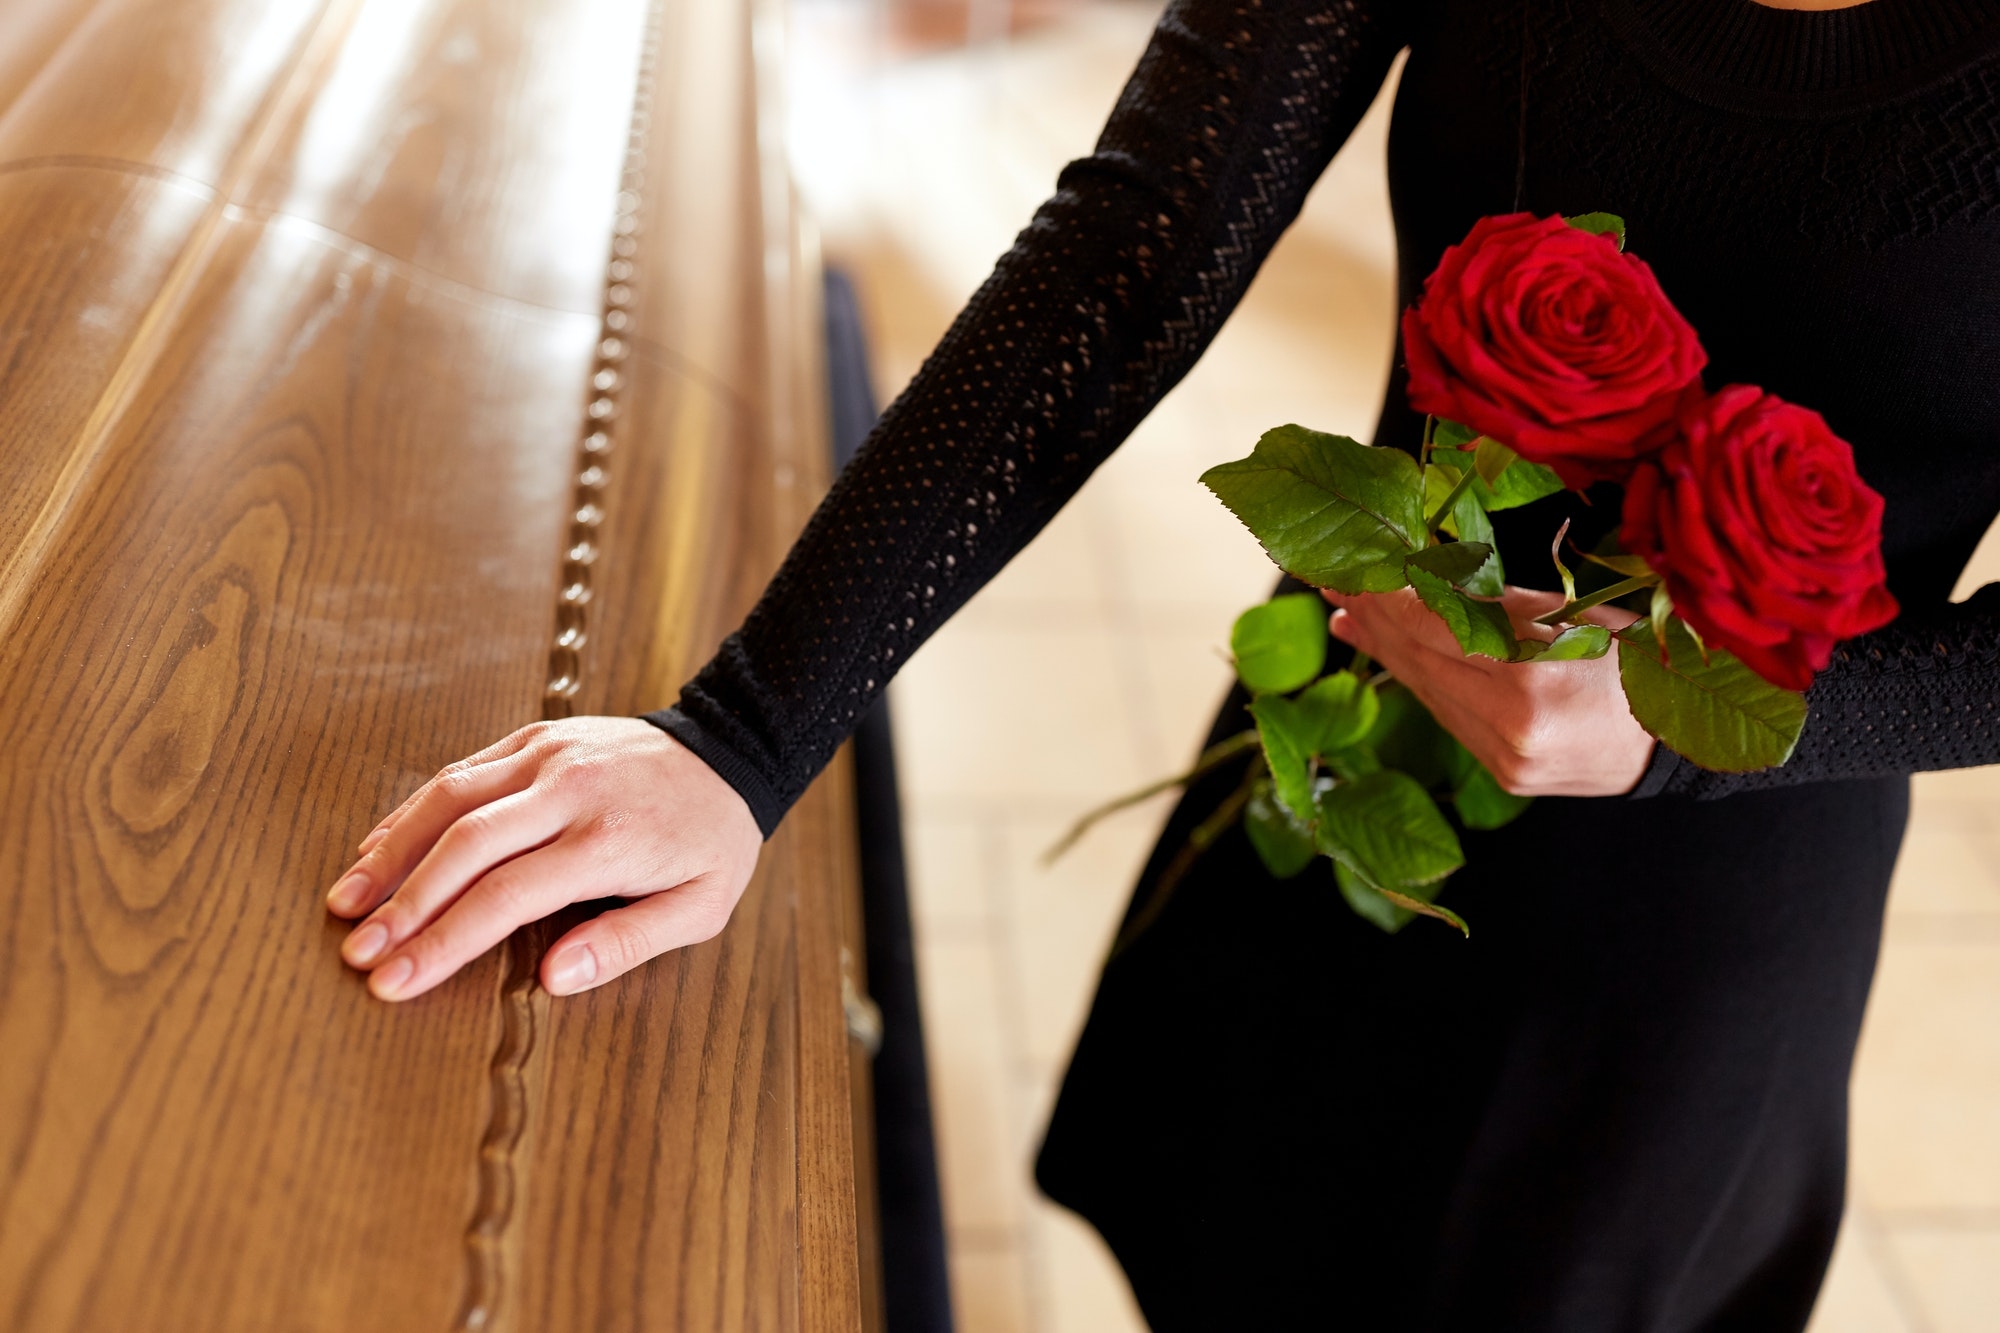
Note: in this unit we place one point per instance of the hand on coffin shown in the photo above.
(557, 813)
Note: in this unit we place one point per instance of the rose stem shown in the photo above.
(1464, 480)
(1214, 755)
(1598, 598)
(1198, 842)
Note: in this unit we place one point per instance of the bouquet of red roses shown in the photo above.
(1545, 357)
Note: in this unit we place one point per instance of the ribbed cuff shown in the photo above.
(1660, 771)
(731, 767)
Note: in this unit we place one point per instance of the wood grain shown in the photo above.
(307, 311)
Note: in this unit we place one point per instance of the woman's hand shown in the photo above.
(1541, 728)
(557, 813)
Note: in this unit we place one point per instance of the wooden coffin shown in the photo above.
(377, 376)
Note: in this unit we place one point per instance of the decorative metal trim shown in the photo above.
(521, 1010)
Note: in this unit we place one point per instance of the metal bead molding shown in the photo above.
(522, 1007)
(601, 411)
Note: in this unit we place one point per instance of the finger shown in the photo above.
(475, 843)
(1399, 625)
(451, 794)
(509, 744)
(504, 899)
(1611, 617)
(1358, 634)
(617, 941)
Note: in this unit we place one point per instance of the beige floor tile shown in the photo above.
(951, 873)
(1060, 574)
(1954, 1276)
(1185, 674)
(1982, 569)
(988, 715)
(989, 1289)
(1927, 1081)
(1182, 438)
(1857, 1297)
(1061, 919)
(964, 1030)
(1968, 797)
(1179, 549)
(1946, 869)
(1077, 1285)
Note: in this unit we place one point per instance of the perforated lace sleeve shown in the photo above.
(1922, 693)
(1104, 302)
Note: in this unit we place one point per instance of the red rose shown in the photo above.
(1767, 538)
(1553, 341)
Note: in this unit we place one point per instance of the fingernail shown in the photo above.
(365, 945)
(371, 840)
(575, 968)
(349, 894)
(388, 980)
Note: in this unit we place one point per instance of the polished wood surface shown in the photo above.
(375, 377)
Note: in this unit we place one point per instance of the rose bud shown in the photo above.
(1765, 536)
(1552, 341)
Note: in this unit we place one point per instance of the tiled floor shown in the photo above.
(1092, 663)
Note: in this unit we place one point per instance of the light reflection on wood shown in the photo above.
(302, 309)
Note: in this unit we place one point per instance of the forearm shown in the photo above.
(1921, 694)
(1104, 302)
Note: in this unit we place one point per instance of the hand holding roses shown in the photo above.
(1544, 356)
(1540, 728)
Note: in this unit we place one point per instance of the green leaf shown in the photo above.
(1387, 909)
(1451, 435)
(1454, 562)
(1600, 224)
(1556, 556)
(1438, 481)
(1575, 644)
(1627, 566)
(1492, 458)
(1331, 512)
(1388, 830)
(1480, 627)
(1660, 613)
(1336, 712)
(1405, 736)
(1353, 762)
(1522, 483)
(1287, 749)
(1483, 803)
(1282, 842)
(1718, 713)
(1368, 902)
(1412, 903)
(1471, 524)
(1280, 645)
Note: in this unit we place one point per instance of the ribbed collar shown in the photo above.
(1801, 63)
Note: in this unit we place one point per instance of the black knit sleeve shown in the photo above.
(1104, 302)
(1922, 693)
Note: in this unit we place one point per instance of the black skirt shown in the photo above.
(1620, 1105)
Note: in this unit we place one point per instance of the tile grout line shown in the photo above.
(1904, 1291)
(1012, 997)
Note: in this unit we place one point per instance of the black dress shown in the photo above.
(1622, 1104)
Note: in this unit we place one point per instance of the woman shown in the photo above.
(1623, 1104)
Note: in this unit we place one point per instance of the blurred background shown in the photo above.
(924, 133)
